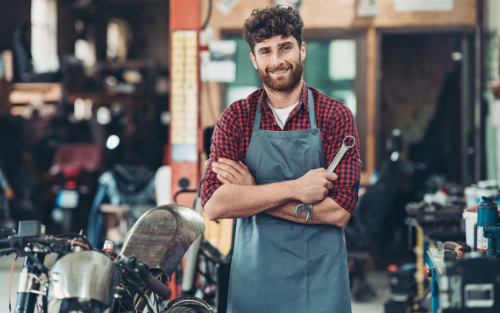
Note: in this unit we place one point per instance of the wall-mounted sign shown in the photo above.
(220, 67)
(367, 8)
(184, 95)
(422, 5)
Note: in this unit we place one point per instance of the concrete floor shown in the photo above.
(378, 280)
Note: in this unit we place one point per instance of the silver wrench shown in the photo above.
(331, 168)
(340, 154)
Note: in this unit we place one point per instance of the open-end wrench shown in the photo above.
(331, 168)
(304, 207)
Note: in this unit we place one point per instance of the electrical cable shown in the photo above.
(75, 235)
(10, 283)
(183, 191)
(146, 299)
(209, 13)
(157, 304)
(75, 243)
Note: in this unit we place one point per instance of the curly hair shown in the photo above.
(272, 21)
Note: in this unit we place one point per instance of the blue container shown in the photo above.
(486, 216)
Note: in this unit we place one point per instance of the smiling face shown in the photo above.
(279, 62)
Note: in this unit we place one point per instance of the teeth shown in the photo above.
(280, 71)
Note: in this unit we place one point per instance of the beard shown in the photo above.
(285, 83)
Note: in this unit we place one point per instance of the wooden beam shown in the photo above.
(371, 98)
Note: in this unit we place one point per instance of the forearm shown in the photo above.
(324, 212)
(239, 201)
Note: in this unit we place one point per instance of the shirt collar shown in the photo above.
(302, 100)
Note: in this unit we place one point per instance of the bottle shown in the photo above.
(486, 216)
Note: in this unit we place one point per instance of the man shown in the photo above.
(268, 155)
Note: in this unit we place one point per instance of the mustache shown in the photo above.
(278, 68)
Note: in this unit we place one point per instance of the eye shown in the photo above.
(286, 48)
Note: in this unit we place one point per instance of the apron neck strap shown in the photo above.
(312, 113)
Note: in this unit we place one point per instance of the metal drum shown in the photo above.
(88, 277)
(162, 235)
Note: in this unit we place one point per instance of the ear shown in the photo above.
(303, 51)
(252, 57)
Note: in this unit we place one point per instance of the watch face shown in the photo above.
(293, 3)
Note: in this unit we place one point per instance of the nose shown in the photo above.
(276, 59)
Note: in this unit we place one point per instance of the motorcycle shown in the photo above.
(88, 280)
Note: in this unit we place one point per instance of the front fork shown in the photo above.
(29, 285)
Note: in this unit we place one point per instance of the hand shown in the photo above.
(473, 208)
(232, 172)
(313, 187)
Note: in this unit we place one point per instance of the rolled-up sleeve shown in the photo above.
(345, 190)
(225, 144)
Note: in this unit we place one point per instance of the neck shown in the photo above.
(284, 99)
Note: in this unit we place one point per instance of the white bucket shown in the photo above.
(470, 228)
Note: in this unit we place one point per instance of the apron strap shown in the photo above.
(312, 113)
(258, 114)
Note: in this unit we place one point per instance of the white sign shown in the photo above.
(367, 8)
(422, 5)
(220, 66)
(342, 63)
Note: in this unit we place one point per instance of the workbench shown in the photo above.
(437, 268)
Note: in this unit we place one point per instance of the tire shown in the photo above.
(182, 309)
(187, 304)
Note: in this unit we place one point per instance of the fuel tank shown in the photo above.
(162, 235)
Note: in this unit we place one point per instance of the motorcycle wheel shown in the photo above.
(184, 309)
(187, 304)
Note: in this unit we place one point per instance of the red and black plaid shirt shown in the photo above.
(234, 128)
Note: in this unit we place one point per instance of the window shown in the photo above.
(44, 36)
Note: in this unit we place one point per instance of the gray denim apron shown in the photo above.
(280, 266)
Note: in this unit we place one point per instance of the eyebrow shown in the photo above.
(279, 45)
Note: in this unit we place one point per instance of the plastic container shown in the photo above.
(471, 195)
(470, 228)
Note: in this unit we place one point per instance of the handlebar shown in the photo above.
(4, 233)
(158, 287)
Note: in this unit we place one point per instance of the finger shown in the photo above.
(329, 185)
(331, 176)
(233, 164)
(244, 166)
(230, 169)
(214, 166)
(319, 170)
(227, 175)
(223, 180)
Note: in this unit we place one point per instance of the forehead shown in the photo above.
(275, 41)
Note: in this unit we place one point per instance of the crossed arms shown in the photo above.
(240, 197)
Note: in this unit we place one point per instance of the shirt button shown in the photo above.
(274, 123)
